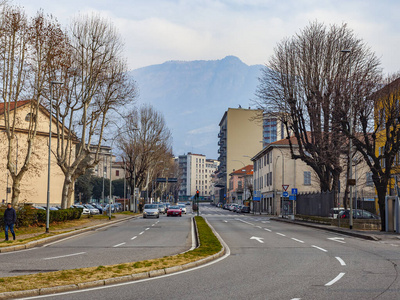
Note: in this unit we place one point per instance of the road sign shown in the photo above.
(292, 198)
(285, 194)
(257, 196)
(294, 191)
(285, 187)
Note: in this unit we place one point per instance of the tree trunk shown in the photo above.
(66, 190)
(15, 191)
(381, 191)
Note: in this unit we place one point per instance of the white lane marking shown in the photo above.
(244, 221)
(13, 252)
(227, 253)
(300, 241)
(193, 235)
(319, 248)
(119, 245)
(337, 239)
(269, 230)
(394, 245)
(134, 237)
(257, 239)
(141, 233)
(225, 221)
(265, 222)
(259, 227)
(296, 299)
(340, 260)
(281, 234)
(147, 228)
(153, 224)
(337, 278)
(62, 256)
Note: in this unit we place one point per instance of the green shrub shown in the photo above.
(26, 216)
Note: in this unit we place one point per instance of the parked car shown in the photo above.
(151, 210)
(334, 212)
(37, 207)
(188, 203)
(232, 206)
(245, 209)
(238, 209)
(107, 208)
(98, 206)
(183, 207)
(93, 210)
(85, 211)
(358, 214)
(174, 210)
(225, 206)
(161, 208)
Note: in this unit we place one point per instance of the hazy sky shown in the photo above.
(155, 31)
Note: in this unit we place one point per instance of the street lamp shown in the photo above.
(350, 162)
(49, 156)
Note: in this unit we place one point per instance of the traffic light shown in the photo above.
(197, 194)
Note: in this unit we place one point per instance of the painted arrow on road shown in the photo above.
(258, 239)
(337, 239)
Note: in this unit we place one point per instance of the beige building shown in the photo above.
(34, 182)
(240, 136)
(274, 168)
(196, 174)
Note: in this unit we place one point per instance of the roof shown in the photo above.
(247, 170)
(12, 105)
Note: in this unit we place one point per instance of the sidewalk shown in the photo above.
(63, 233)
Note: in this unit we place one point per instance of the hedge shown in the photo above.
(26, 216)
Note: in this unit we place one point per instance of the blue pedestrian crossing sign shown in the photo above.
(294, 191)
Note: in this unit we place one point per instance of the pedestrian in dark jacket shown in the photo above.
(10, 217)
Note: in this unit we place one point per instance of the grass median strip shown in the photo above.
(209, 245)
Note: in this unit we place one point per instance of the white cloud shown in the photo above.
(205, 129)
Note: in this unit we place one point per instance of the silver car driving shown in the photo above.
(151, 210)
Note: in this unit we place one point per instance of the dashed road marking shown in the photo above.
(147, 228)
(319, 248)
(337, 278)
(300, 241)
(341, 261)
(141, 233)
(269, 230)
(281, 234)
(134, 237)
(119, 245)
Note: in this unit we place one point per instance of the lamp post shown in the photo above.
(49, 155)
(350, 160)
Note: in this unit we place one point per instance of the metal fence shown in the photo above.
(319, 204)
(315, 204)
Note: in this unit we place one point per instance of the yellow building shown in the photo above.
(34, 182)
(240, 136)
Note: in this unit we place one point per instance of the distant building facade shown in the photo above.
(273, 129)
(239, 185)
(195, 174)
(240, 136)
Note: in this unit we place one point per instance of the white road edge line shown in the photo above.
(62, 256)
(134, 237)
(300, 241)
(340, 260)
(281, 234)
(119, 245)
(319, 248)
(193, 236)
(337, 278)
(227, 253)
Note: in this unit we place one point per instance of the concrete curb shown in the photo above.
(60, 236)
(116, 280)
(331, 229)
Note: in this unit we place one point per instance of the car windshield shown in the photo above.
(89, 206)
(150, 206)
(160, 206)
(174, 207)
(181, 205)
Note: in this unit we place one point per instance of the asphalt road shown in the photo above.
(132, 240)
(272, 260)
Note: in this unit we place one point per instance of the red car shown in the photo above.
(174, 211)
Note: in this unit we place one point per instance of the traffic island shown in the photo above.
(210, 248)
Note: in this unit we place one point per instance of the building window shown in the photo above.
(369, 181)
(270, 178)
(117, 173)
(307, 178)
(30, 117)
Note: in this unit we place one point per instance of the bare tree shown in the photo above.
(26, 50)
(95, 83)
(377, 136)
(306, 83)
(146, 147)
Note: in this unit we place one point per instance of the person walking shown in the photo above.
(10, 217)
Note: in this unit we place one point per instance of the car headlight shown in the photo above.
(145, 213)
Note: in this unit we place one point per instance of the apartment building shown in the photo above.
(273, 128)
(239, 185)
(240, 136)
(195, 174)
